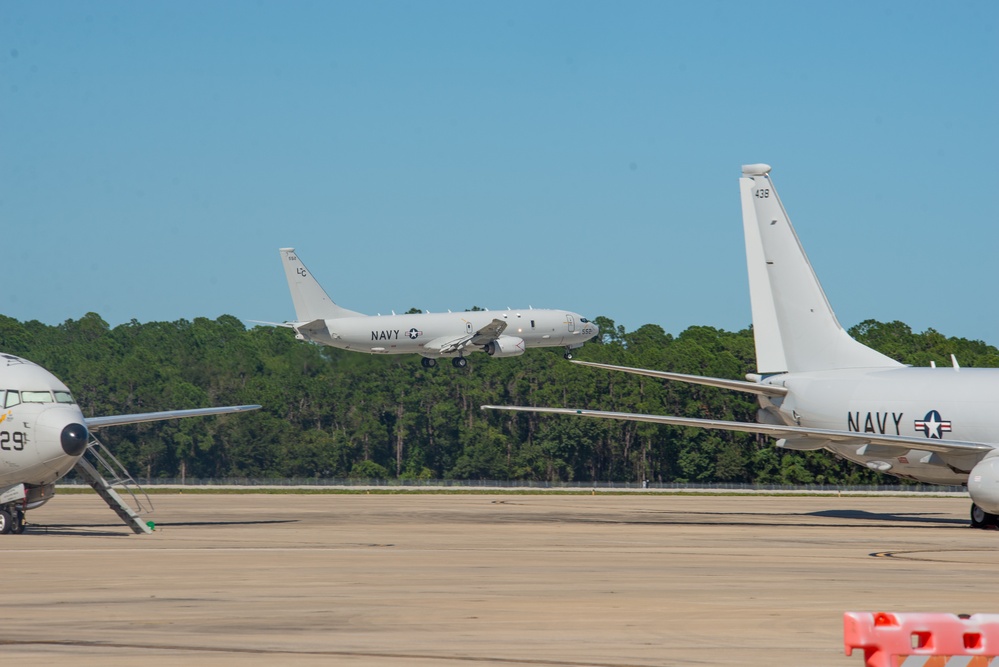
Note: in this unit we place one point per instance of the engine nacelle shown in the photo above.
(505, 346)
(983, 483)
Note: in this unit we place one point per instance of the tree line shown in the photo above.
(330, 413)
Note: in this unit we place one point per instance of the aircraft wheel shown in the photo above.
(982, 519)
(459, 362)
(6, 522)
(567, 355)
(428, 362)
(19, 524)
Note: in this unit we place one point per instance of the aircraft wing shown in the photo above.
(94, 423)
(486, 334)
(489, 333)
(796, 432)
(737, 385)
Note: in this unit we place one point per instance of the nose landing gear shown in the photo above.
(982, 519)
(11, 520)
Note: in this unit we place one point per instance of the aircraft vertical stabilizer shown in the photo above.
(794, 326)
(310, 299)
(766, 333)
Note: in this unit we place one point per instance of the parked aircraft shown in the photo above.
(506, 333)
(44, 435)
(818, 388)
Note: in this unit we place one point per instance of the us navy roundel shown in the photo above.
(414, 333)
(932, 425)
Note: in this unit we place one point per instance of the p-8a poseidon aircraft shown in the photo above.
(44, 435)
(506, 333)
(818, 388)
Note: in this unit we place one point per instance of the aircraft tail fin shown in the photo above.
(310, 299)
(794, 326)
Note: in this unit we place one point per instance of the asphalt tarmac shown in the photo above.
(414, 580)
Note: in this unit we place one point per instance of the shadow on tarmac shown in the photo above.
(910, 517)
(846, 519)
(121, 530)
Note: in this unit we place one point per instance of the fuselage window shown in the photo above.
(36, 396)
(64, 397)
(12, 399)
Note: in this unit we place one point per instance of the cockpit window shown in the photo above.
(36, 396)
(63, 397)
(583, 319)
(12, 399)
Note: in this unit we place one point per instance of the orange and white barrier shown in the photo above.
(923, 640)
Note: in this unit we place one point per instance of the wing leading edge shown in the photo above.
(737, 385)
(94, 423)
(790, 432)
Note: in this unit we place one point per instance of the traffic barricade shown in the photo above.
(923, 639)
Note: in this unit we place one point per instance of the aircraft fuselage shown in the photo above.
(42, 432)
(424, 333)
(932, 403)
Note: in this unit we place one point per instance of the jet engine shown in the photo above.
(983, 483)
(505, 346)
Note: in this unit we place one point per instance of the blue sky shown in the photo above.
(578, 155)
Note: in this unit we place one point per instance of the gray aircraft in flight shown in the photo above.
(504, 333)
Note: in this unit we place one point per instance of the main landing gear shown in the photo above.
(982, 519)
(458, 362)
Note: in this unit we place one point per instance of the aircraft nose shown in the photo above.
(74, 439)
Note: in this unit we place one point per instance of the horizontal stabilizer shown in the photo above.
(313, 329)
(286, 325)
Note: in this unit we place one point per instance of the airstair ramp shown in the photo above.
(923, 639)
(107, 476)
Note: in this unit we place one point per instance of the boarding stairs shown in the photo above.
(97, 460)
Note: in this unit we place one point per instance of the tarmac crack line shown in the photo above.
(911, 555)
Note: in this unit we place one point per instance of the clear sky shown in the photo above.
(577, 155)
